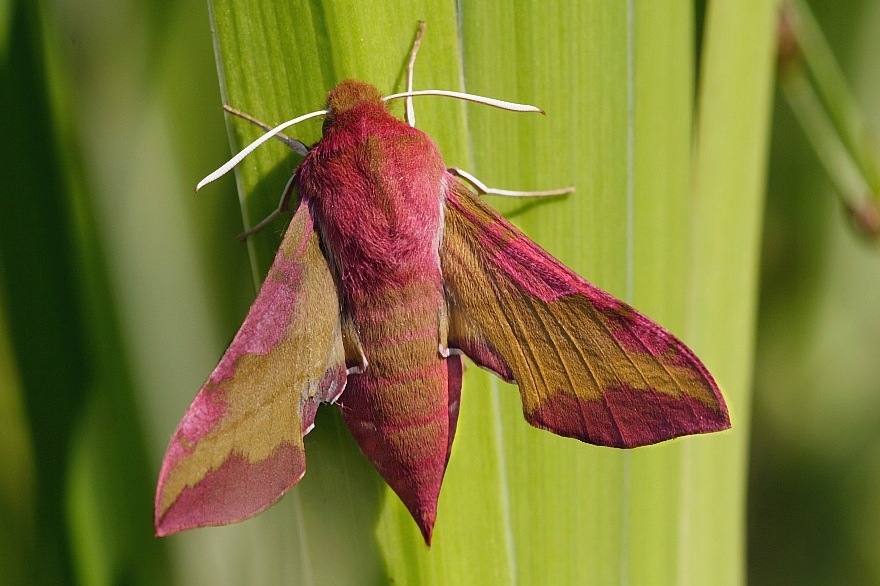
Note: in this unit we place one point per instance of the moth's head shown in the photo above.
(349, 94)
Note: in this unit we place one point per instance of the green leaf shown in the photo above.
(736, 88)
(17, 478)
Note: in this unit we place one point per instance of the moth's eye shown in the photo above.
(328, 122)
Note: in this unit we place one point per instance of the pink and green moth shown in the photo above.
(390, 270)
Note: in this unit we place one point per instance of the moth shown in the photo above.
(391, 269)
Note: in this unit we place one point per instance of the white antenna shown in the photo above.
(410, 115)
(254, 145)
(512, 106)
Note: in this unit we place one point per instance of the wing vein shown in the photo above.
(617, 343)
(525, 345)
(654, 397)
(672, 377)
(562, 361)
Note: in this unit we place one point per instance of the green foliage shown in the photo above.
(814, 466)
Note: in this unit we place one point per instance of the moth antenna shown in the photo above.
(483, 189)
(254, 145)
(410, 67)
(512, 106)
(295, 145)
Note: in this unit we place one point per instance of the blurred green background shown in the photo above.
(814, 479)
(109, 264)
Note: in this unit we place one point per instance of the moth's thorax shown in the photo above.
(375, 185)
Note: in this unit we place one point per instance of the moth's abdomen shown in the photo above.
(400, 410)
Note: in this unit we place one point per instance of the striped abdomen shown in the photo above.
(402, 410)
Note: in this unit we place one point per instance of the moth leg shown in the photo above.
(295, 145)
(282, 207)
(355, 359)
(482, 189)
(410, 114)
